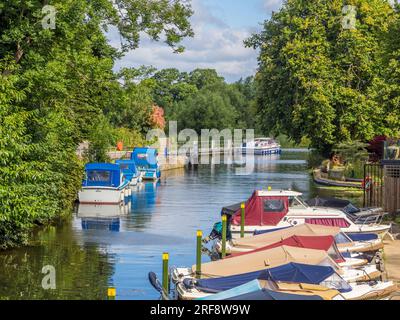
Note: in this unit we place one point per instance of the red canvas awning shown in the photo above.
(263, 211)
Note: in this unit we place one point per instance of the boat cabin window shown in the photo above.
(295, 202)
(277, 206)
(342, 238)
(98, 176)
(124, 166)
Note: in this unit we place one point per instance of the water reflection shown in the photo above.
(160, 217)
(82, 272)
(102, 217)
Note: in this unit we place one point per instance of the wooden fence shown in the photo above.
(392, 186)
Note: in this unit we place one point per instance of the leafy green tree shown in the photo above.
(58, 88)
(315, 77)
(206, 110)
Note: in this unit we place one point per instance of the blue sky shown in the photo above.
(220, 27)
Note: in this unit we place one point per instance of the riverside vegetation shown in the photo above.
(318, 84)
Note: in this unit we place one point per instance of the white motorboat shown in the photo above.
(273, 210)
(104, 183)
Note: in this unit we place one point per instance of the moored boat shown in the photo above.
(292, 278)
(104, 183)
(146, 160)
(130, 171)
(270, 258)
(363, 244)
(273, 210)
(261, 146)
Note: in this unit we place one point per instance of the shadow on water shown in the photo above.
(119, 245)
(82, 272)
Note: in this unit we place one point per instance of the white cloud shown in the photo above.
(215, 45)
(272, 5)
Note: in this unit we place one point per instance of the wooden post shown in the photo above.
(242, 222)
(198, 253)
(224, 227)
(111, 293)
(165, 279)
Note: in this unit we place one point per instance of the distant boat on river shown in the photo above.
(261, 146)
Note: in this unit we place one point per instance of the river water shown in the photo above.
(91, 254)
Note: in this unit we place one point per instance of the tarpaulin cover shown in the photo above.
(263, 240)
(231, 210)
(292, 272)
(341, 223)
(102, 175)
(128, 165)
(265, 259)
(263, 211)
(251, 286)
(299, 273)
(345, 205)
(362, 236)
(265, 295)
(253, 291)
(145, 158)
(309, 242)
(259, 232)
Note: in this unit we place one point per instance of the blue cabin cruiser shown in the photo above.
(146, 160)
(130, 171)
(104, 183)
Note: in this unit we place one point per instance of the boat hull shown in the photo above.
(380, 230)
(261, 151)
(105, 196)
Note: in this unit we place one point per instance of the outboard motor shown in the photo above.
(216, 233)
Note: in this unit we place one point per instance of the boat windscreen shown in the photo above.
(342, 238)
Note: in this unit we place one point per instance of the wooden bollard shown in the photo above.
(242, 221)
(224, 227)
(198, 253)
(111, 293)
(165, 279)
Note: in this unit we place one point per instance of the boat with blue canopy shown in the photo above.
(146, 160)
(104, 183)
(291, 272)
(130, 171)
(292, 278)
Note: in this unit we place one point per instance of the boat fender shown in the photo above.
(189, 283)
(154, 282)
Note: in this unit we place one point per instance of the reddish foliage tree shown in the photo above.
(158, 118)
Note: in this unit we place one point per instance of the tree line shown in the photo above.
(327, 75)
(58, 88)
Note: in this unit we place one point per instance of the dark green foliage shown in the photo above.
(202, 99)
(58, 88)
(320, 80)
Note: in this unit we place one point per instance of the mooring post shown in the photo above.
(165, 279)
(198, 253)
(242, 222)
(111, 293)
(224, 227)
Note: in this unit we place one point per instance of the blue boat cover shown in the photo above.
(248, 287)
(102, 175)
(256, 233)
(253, 291)
(145, 158)
(264, 295)
(292, 272)
(362, 237)
(298, 273)
(128, 165)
